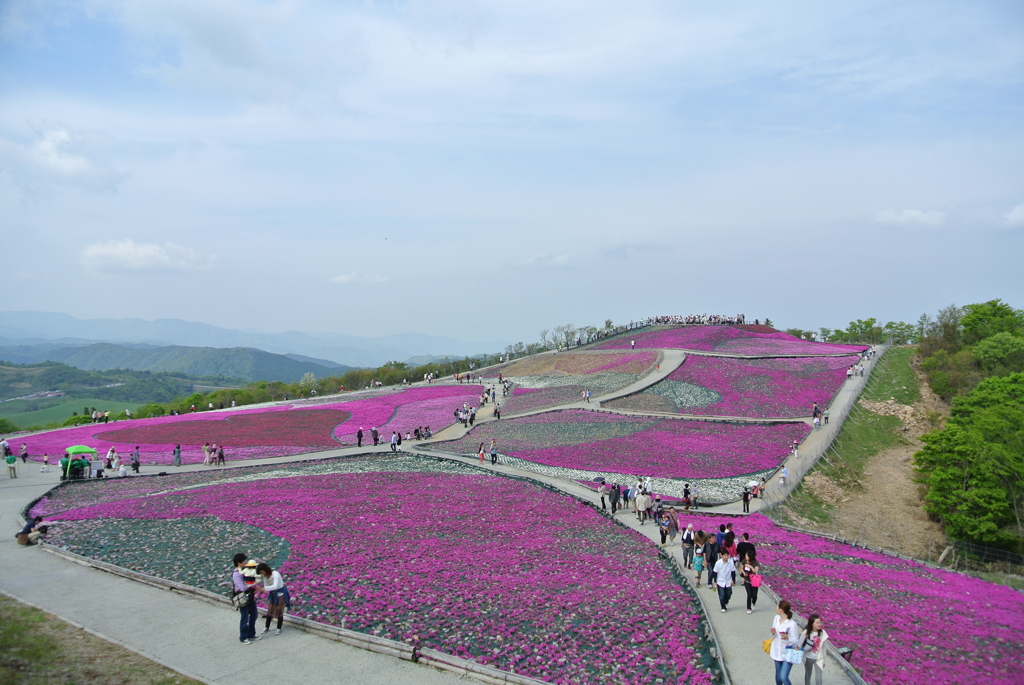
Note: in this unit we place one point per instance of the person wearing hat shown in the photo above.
(243, 580)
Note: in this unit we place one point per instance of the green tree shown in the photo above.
(984, 320)
(7, 426)
(900, 332)
(974, 467)
(1000, 354)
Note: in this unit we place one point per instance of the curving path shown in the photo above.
(110, 607)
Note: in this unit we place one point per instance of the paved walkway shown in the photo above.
(188, 635)
(110, 606)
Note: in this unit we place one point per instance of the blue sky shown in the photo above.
(485, 170)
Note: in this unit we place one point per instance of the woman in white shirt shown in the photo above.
(785, 634)
(277, 596)
(813, 644)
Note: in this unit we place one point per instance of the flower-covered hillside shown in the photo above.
(670, 448)
(907, 623)
(536, 588)
(727, 340)
(755, 388)
(266, 431)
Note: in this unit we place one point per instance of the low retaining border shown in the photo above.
(372, 643)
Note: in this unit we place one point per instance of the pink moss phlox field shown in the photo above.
(729, 340)
(525, 400)
(264, 431)
(669, 448)
(756, 388)
(432, 405)
(538, 588)
(907, 622)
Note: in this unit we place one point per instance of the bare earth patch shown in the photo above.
(886, 509)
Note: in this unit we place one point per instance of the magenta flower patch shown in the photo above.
(727, 340)
(668, 448)
(538, 588)
(265, 431)
(755, 388)
(908, 623)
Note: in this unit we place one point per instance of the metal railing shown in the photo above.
(829, 438)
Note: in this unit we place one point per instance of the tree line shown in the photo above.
(973, 467)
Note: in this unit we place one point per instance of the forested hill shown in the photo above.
(244, 363)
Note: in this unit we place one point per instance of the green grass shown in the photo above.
(23, 413)
(37, 648)
(894, 377)
(864, 434)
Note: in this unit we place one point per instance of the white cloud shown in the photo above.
(548, 261)
(1015, 217)
(908, 217)
(623, 249)
(62, 155)
(359, 278)
(114, 255)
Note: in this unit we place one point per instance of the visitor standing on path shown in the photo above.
(24, 453)
(394, 441)
(480, 453)
(375, 434)
(177, 455)
(359, 437)
(277, 596)
(248, 614)
(813, 646)
(613, 497)
(12, 468)
(494, 452)
(135, 459)
(783, 475)
(785, 635)
(746, 500)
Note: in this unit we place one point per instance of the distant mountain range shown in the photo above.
(31, 328)
(244, 363)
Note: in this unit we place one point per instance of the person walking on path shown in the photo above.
(135, 459)
(688, 542)
(699, 554)
(783, 475)
(494, 452)
(480, 453)
(12, 465)
(725, 568)
(604, 490)
(240, 585)
(673, 525)
(785, 635)
(613, 497)
(746, 500)
(177, 455)
(750, 571)
(359, 437)
(375, 434)
(814, 639)
(394, 441)
(277, 596)
(24, 453)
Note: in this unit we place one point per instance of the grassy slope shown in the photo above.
(37, 648)
(864, 433)
(21, 413)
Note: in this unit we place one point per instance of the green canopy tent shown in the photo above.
(73, 451)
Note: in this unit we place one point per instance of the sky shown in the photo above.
(487, 170)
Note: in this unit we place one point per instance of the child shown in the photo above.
(46, 464)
